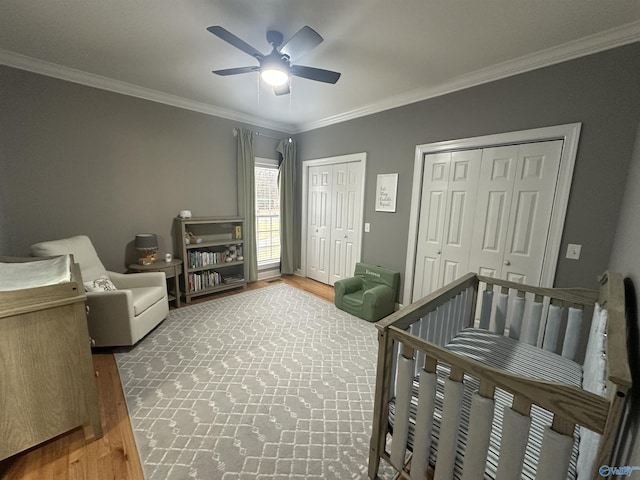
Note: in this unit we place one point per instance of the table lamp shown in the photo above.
(147, 244)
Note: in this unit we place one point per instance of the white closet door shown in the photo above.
(495, 192)
(529, 219)
(459, 215)
(515, 200)
(346, 197)
(430, 231)
(319, 229)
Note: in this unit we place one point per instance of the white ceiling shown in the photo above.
(390, 52)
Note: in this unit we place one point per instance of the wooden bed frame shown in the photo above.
(462, 304)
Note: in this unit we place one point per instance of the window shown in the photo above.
(267, 211)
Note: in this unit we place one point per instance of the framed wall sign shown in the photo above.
(386, 192)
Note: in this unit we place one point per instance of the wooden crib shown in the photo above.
(486, 375)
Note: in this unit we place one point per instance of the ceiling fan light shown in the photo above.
(274, 77)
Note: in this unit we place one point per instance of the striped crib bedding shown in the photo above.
(515, 357)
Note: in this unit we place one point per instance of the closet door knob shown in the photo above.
(438, 252)
(507, 262)
(345, 236)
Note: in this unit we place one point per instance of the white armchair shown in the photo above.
(116, 317)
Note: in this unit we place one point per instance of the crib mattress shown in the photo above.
(505, 353)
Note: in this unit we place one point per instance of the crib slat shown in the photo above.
(441, 325)
(448, 441)
(555, 455)
(572, 334)
(501, 312)
(552, 329)
(416, 329)
(485, 311)
(515, 432)
(533, 323)
(403, 399)
(517, 314)
(481, 419)
(424, 422)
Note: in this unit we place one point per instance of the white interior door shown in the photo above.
(495, 192)
(318, 217)
(486, 211)
(459, 215)
(346, 197)
(431, 225)
(515, 201)
(529, 219)
(520, 242)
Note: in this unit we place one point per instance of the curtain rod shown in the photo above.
(235, 134)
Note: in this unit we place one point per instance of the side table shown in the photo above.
(172, 269)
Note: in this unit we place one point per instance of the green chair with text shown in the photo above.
(370, 294)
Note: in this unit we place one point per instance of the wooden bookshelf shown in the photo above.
(209, 262)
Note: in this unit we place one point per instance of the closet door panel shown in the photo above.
(533, 194)
(459, 214)
(318, 231)
(346, 193)
(495, 192)
(432, 223)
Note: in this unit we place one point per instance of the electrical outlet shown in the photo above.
(573, 251)
(367, 227)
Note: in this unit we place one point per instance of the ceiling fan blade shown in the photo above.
(236, 71)
(317, 74)
(282, 89)
(229, 37)
(304, 40)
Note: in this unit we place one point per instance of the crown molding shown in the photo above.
(49, 69)
(617, 37)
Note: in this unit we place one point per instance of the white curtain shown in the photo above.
(247, 201)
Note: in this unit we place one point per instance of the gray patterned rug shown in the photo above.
(272, 383)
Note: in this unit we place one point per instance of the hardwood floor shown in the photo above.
(114, 456)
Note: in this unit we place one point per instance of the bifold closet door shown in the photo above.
(486, 211)
(346, 195)
(319, 217)
(450, 182)
(515, 202)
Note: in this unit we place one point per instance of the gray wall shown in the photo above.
(78, 160)
(625, 258)
(601, 91)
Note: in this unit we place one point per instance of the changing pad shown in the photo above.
(39, 273)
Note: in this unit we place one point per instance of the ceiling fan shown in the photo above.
(276, 68)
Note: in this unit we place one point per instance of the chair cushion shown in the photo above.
(353, 300)
(82, 250)
(144, 297)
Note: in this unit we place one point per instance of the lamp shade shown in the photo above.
(146, 241)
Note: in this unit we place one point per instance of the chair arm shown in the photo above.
(135, 280)
(344, 287)
(110, 314)
(348, 285)
(380, 298)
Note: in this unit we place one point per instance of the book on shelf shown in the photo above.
(203, 280)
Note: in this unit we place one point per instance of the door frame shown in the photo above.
(568, 133)
(352, 157)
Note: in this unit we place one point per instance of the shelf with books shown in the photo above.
(212, 250)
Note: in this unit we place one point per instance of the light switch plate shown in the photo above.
(573, 251)
(367, 227)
